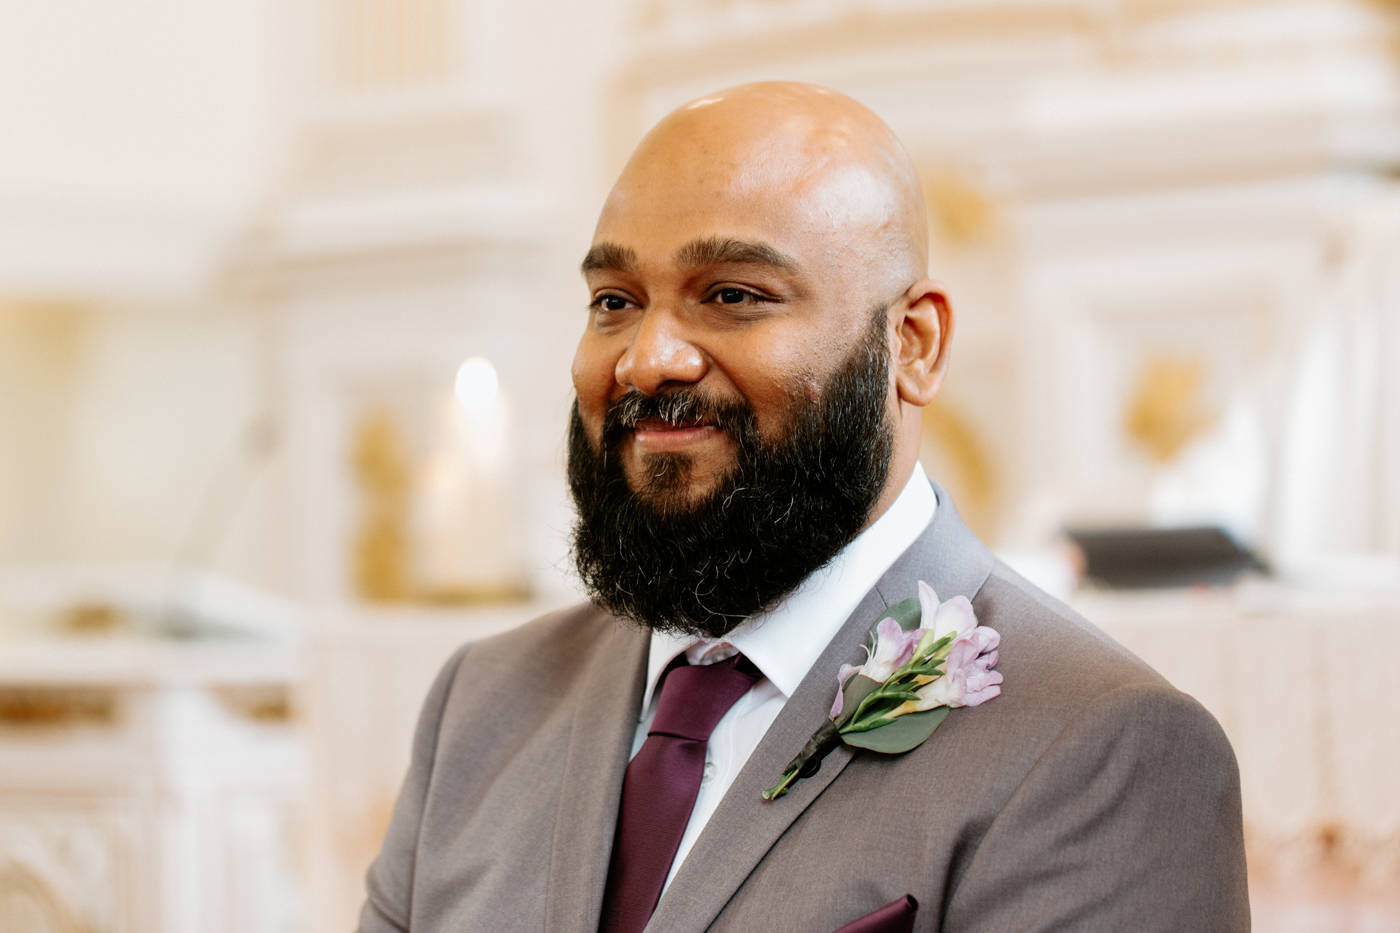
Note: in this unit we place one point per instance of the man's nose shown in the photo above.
(658, 354)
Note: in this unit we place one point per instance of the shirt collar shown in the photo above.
(786, 641)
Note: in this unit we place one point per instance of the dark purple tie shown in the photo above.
(659, 789)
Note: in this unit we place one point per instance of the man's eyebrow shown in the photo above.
(715, 251)
(608, 256)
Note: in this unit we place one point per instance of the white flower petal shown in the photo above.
(928, 605)
(955, 617)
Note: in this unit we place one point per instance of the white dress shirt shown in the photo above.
(784, 644)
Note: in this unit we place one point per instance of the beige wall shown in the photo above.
(118, 423)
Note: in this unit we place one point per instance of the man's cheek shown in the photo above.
(775, 425)
(592, 422)
(593, 385)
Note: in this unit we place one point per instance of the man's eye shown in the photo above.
(732, 296)
(610, 303)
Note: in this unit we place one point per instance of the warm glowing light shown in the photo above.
(477, 386)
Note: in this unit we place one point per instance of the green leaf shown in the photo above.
(857, 688)
(895, 738)
(907, 613)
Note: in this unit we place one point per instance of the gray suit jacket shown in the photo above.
(1089, 796)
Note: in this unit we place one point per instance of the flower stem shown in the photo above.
(777, 790)
(808, 761)
(877, 722)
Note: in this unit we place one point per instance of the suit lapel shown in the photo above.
(744, 827)
(604, 725)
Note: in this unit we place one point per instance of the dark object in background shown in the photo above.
(1161, 557)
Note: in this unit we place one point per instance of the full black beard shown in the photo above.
(784, 511)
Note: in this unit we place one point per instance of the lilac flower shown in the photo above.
(954, 617)
(983, 683)
(846, 673)
(968, 678)
(893, 649)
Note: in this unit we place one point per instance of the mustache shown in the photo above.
(675, 408)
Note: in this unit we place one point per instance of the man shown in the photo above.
(761, 339)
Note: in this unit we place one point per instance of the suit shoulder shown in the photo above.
(550, 652)
(1129, 818)
(1173, 723)
(563, 631)
(1070, 693)
(1050, 653)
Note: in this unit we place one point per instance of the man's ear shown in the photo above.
(923, 330)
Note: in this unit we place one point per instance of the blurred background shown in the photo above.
(288, 297)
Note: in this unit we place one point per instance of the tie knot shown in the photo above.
(694, 699)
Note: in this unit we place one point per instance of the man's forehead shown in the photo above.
(694, 254)
(802, 171)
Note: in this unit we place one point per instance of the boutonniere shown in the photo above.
(924, 659)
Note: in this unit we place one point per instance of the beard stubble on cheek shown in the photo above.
(701, 564)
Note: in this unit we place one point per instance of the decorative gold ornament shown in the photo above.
(382, 471)
(960, 212)
(1166, 412)
(950, 439)
(53, 707)
(261, 703)
(91, 619)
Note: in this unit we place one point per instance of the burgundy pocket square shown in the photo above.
(895, 917)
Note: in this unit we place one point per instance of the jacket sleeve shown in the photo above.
(389, 883)
(1130, 820)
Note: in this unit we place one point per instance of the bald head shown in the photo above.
(760, 243)
(822, 165)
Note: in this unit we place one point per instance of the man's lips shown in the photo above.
(656, 436)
